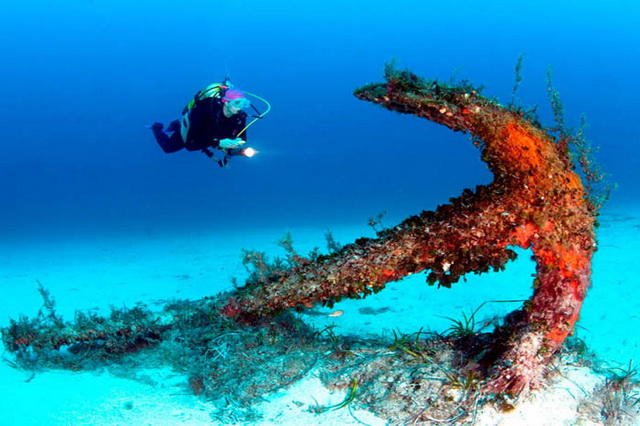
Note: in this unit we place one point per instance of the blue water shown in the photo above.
(81, 80)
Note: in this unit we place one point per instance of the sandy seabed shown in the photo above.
(95, 273)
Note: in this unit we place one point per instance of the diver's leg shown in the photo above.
(168, 143)
(174, 126)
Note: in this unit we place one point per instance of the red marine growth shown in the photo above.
(536, 201)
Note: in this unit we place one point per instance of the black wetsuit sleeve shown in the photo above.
(208, 125)
(242, 122)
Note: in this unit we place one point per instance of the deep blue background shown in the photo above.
(81, 80)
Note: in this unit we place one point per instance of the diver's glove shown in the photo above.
(230, 143)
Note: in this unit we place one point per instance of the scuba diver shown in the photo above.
(214, 119)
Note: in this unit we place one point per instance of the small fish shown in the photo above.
(336, 313)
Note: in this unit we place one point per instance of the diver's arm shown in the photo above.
(242, 123)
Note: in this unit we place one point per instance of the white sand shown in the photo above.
(96, 273)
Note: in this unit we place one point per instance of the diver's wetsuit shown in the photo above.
(207, 127)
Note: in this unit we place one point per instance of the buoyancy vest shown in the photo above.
(214, 90)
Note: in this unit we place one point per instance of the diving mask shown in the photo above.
(240, 103)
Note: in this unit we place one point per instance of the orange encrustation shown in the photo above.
(536, 201)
